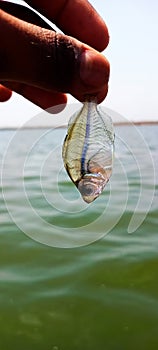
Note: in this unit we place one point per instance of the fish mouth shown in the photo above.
(91, 186)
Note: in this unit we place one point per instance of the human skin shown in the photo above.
(43, 65)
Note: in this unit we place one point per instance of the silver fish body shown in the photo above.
(88, 150)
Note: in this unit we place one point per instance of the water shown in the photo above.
(93, 283)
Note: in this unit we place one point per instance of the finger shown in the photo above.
(42, 98)
(5, 93)
(94, 76)
(35, 56)
(24, 13)
(76, 18)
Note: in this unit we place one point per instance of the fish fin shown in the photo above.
(107, 124)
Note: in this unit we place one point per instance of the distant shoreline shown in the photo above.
(65, 126)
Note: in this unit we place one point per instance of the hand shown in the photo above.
(42, 65)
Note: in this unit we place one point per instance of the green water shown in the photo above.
(94, 283)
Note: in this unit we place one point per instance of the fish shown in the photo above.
(88, 150)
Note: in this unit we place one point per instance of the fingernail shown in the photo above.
(94, 68)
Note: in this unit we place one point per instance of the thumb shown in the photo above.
(55, 62)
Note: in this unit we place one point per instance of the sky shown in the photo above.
(133, 56)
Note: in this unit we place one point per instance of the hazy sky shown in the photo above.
(133, 55)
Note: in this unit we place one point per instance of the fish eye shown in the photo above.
(87, 191)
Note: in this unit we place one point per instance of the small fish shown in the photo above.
(88, 150)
